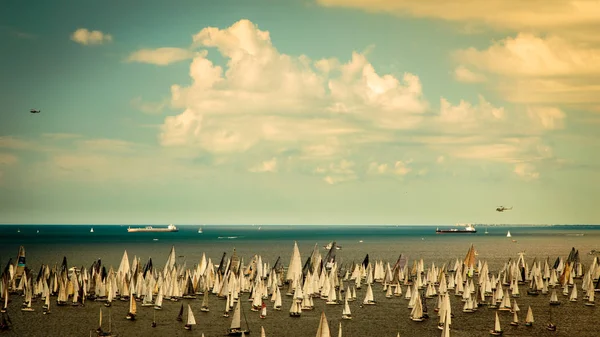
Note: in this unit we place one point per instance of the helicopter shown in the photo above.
(35, 111)
(502, 209)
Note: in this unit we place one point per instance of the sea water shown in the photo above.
(48, 244)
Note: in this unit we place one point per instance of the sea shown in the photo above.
(49, 244)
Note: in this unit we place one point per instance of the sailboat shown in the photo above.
(92, 230)
(263, 312)
(103, 333)
(486, 231)
(497, 329)
(590, 299)
(554, 298)
(190, 319)
(551, 326)
(346, 314)
(180, 315)
(200, 231)
(235, 329)
(323, 330)
(529, 318)
(508, 235)
(132, 308)
(204, 306)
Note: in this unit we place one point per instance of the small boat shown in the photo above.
(508, 235)
(323, 329)
(180, 316)
(554, 298)
(529, 318)
(497, 329)
(200, 231)
(346, 313)
(550, 326)
(332, 244)
(132, 309)
(191, 320)
(92, 230)
(204, 306)
(263, 312)
(235, 329)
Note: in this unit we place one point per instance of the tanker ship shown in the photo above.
(468, 229)
(170, 228)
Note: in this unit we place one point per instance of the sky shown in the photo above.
(300, 112)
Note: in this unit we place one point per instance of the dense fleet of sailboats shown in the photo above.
(470, 280)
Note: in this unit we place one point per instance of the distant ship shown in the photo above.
(170, 228)
(467, 230)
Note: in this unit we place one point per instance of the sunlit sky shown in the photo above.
(300, 112)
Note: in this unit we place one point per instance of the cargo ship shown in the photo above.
(467, 230)
(170, 228)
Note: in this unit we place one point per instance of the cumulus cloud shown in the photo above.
(577, 18)
(90, 37)
(264, 97)
(463, 74)
(326, 112)
(160, 56)
(534, 70)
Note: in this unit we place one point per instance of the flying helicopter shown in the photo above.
(502, 209)
(35, 111)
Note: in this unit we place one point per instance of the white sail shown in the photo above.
(497, 324)
(191, 320)
(529, 318)
(323, 330)
(236, 322)
(508, 234)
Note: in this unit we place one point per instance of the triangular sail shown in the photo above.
(323, 330)
(191, 320)
(236, 322)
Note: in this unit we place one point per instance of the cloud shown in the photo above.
(151, 108)
(526, 171)
(160, 56)
(261, 102)
(338, 172)
(264, 97)
(577, 18)
(86, 37)
(465, 75)
(58, 136)
(7, 159)
(266, 166)
(530, 69)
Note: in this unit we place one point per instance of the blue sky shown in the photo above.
(321, 111)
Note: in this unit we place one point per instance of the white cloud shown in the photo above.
(534, 70)
(339, 172)
(266, 166)
(160, 56)
(463, 74)
(87, 37)
(269, 103)
(264, 96)
(150, 107)
(577, 18)
(526, 171)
